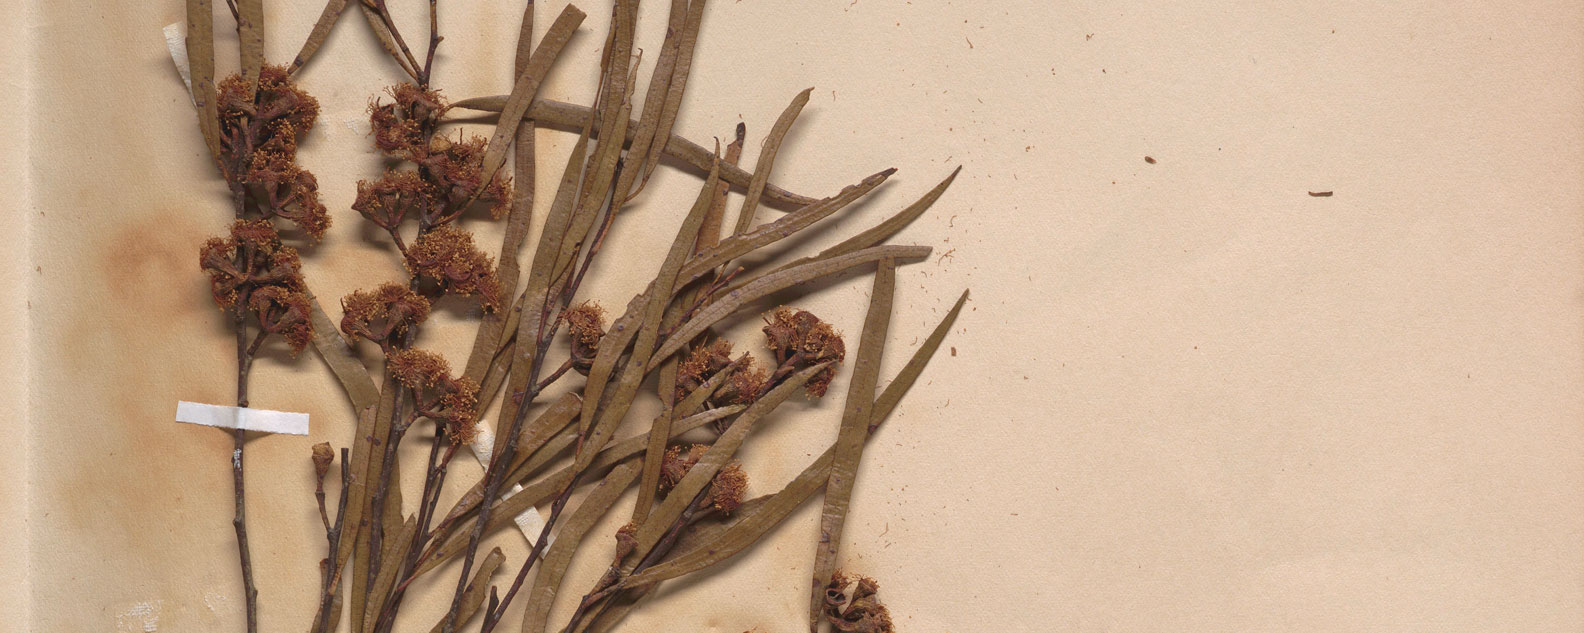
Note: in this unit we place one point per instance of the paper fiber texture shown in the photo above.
(227, 417)
(1184, 396)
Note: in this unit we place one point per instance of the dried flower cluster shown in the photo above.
(800, 339)
(383, 315)
(585, 329)
(451, 402)
(253, 269)
(860, 612)
(746, 382)
(442, 177)
(448, 257)
(259, 130)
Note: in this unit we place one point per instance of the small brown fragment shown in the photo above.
(1319, 194)
(1149, 159)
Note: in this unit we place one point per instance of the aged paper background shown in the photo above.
(1185, 395)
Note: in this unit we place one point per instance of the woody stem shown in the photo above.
(239, 521)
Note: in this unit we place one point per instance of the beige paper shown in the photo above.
(1185, 394)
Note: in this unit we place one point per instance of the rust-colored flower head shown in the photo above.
(252, 257)
(401, 128)
(727, 489)
(382, 314)
(456, 168)
(861, 612)
(388, 200)
(448, 256)
(282, 189)
(744, 386)
(678, 460)
(323, 456)
(702, 364)
(585, 328)
(800, 339)
(451, 402)
(285, 313)
(279, 113)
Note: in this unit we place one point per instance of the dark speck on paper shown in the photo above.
(1319, 194)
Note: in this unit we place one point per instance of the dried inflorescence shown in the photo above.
(800, 339)
(251, 258)
(451, 402)
(585, 329)
(456, 169)
(285, 313)
(389, 199)
(402, 127)
(382, 315)
(451, 172)
(679, 459)
(259, 132)
(727, 489)
(859, 613)
(448, 256)
(743, 386)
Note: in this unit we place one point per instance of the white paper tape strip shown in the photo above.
(176, 43)
(530, 521)
(241, 417)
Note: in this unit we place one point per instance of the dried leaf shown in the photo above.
(250, 33)
(741, 243)
(569, 115)
(553, 568)
(776, 281)
(854, 430)
(354, 377)
(386, 580)
(686, 42)
(527, 84)
(320, 32)
(654, 101)
(477, 588)
(767, 157)
(387, 42)
(725, 446)
(200, 56)
(652, 303)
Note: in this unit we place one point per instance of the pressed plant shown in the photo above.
(691, 513)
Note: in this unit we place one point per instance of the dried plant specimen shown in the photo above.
(692, 510)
